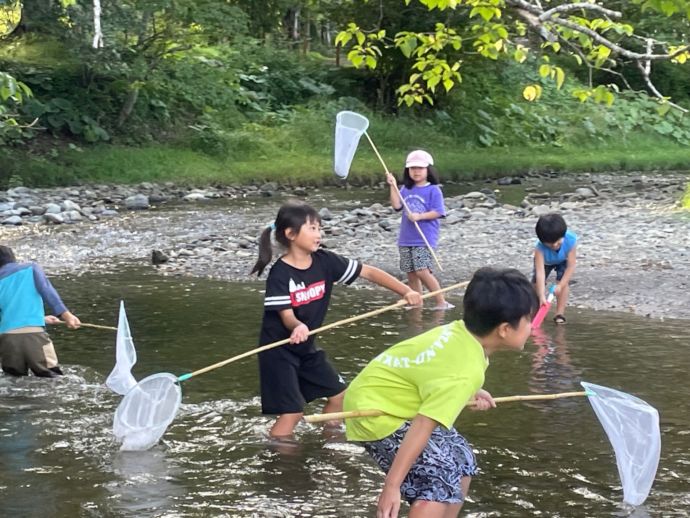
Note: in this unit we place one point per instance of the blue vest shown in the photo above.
(23, 289)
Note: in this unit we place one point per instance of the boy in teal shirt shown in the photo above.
(423, 383)
(555, 250)
(24, 344)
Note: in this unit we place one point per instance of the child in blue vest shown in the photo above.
(24, 343)
(555, 250)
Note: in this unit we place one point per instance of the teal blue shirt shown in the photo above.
(559, 256)
(23, 290)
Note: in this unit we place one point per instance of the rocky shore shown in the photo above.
(633, 252)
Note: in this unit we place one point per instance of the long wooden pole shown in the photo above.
(319, 418)
(407, 208)
(356, 318)
(94, 326)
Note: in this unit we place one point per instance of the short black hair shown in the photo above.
(6, 255)
(550, 228)
(495, 296)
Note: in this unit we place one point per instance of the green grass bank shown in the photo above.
(307, 166)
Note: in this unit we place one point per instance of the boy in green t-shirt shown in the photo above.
(423, 383)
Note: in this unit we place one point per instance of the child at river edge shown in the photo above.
(423, 383)
(24, 343)
(298, 290)
(554, 250)
(424, 198)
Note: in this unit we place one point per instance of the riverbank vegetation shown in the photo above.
(220, 93)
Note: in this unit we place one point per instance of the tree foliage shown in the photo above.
(598, 36)
(201, 69)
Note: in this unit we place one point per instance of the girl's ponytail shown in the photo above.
(265, 251)
(291, 216)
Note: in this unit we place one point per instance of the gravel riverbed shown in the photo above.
(633, 249)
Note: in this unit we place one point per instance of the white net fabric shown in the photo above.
(120, 379)
(146, 411)
(632, 427)
(349, 127)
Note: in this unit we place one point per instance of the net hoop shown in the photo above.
(632, 426)
(145, 412)
(349, 128)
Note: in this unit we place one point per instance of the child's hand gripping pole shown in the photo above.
(356, 318)
(83, 324)
(544, 309)
(405, 206)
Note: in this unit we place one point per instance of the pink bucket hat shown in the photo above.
(419, 158)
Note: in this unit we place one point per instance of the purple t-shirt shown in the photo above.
(421, 199)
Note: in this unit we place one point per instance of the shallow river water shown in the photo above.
(58, 457)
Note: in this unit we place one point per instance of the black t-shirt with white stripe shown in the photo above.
(307, 292)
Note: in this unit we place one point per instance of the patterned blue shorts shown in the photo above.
(436, 474)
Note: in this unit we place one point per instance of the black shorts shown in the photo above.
(548, 268)
(289, 381)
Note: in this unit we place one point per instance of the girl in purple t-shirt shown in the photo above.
(424, 198)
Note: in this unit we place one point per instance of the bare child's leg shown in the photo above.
(431, 284)
(562, 300)
(426, 509)
(465, 485)
(414, 282)
(334, 404)
(285, 425)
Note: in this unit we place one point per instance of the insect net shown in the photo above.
(120, 379)
(632, 427)
(146, 411)
(349, 127)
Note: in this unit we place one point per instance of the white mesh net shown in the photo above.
(632, 427)
(120, 379)
(146, 411)
(349, 127)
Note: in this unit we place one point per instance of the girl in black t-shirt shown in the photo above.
(298, 290)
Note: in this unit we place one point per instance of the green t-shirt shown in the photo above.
(434, 374)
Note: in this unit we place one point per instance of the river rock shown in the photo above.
(541, 210)
(194, 196)
(51, 217)
(386, 224)
(18, 191)
(137, 202)
(72, 216)
(53, 208)
(585, 192)
(158, 257)
(69, 205)
(325, 214)
(12, 220)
